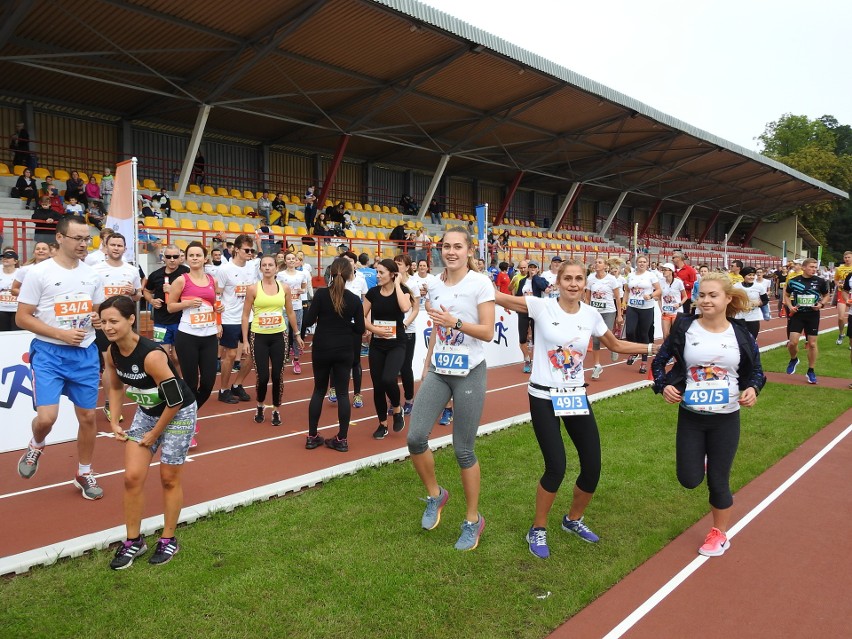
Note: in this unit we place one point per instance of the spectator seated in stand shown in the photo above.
(145, 208)
(72, 206)
(95, 214)
(407, 205)
(93, 191)
(149, 243)
(161, 202)
(281, 214)
(435, 211)
(46, 219)
(398, 235)
(264, 207)
(320, 226)
(76, 188)
(26, 187)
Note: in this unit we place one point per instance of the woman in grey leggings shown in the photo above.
(461, 307)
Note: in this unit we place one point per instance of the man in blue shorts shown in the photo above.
(59, 302)
(156, 294)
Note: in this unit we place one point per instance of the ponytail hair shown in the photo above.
(471, 261)
(341, 272)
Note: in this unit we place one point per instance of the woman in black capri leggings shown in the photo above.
(708, 350)
(643, 291)
(386, 305)
(404, 263)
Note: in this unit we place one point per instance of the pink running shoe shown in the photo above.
(715, 544)
(297, 367)
(193, 443)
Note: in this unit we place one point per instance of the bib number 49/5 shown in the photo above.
(711, 395)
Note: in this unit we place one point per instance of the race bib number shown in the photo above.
(451, 360)
(6, 297)
(569, 402)
(110, 291)
(202, 317)
(270, 319)
(73, 310)
(159, 333)
(807, 299)
(711, 395)
(553, 294)
(669, 309)
(240, 290)
(636, 302)
(599, 304)
(145, 397)
(384, 324)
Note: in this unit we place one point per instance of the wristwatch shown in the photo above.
(458, 324)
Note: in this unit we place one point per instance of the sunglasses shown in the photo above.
(248, 250)
(172, 257)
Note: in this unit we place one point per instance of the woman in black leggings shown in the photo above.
(338, 315)
(643, 291)
(386, 305)
(707, 350)
(405, 265)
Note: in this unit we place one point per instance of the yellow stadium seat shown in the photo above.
(386, 209)
(330, 250)
(206, 207)
(248, 195)
(222, 192)
(350, 234)
(301, 231)
(208, 190)
(276, 230)
(18, 169)
(236, 194)
(388, 253)
(202, 225)
(177, 206)
(381, 236)
(192, 206)
(358, 206)
(360, 235)
(187, 224)
(218, 226)
(328, 203)
(147, 184)
(258, 195)
(234, 227)
(289, 230)
(236, 210)
(248, 228)
(394, 210)
(96, 242)
(61, 174)
(40, 173)
(152, 221)
(169, 223)
(295, 199)
(249, 210)
(4, 170)
(222, 209)
(371, 235)
(285, 199)
(374, 221)
(308, 250)
(194, 188)
(181, 244)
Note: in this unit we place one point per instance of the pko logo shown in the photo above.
(16, 380)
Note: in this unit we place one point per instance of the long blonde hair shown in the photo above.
(739, 298)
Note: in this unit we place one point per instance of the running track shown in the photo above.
(791, 543)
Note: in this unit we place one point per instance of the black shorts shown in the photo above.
(804, 322)
(232, 335)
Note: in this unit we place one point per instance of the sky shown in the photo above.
(727, 67)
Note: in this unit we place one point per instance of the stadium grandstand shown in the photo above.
(371, 100)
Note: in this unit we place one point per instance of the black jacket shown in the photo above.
(539, 285)
(750, 371)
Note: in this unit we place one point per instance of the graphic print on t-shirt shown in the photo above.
(567, 359)
(707, 373)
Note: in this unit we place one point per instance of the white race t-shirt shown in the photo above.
(713, 356)
(8, 303)
(561, 341)
(357, 285)
(295, 282)
(64, 298)
(415, 281)
(114, 278)
(638, 286)
(415, 291)
(462, 302)
(602, 293)
(550, 277)
(95, 257)
(235, 281)
(754, 292)
(672, 294)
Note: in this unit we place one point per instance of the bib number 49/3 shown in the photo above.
(569, 402)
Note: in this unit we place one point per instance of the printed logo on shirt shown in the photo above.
(567, 359)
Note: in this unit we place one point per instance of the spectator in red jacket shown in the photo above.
(503, 280)
(686, 274)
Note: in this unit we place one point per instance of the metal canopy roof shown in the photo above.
(407, 82)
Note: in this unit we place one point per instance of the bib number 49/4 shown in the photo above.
(451, 360)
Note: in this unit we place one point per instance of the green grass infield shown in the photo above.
(349, 559)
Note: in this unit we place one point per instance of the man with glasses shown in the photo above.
(59, 302)
(233, 279)
(156, 294)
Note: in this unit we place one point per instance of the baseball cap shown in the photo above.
(669, 266)
(10, 253)
(556, 258)
(747, 270)
(533, 264)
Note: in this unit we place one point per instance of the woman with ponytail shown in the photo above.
(338, 316)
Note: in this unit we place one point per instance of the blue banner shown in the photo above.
(481, 221)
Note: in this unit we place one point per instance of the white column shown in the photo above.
(433, 186)
(194, 144)
(564, 207)
(682, 222)
(612, 213)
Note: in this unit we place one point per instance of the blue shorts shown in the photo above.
(232, 334)
(175, 439)
(59, 369)
(165, 333)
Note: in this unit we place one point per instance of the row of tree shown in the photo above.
(822, 149)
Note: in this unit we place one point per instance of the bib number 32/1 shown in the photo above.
(451, 360)
(569, 402)
(707, 396)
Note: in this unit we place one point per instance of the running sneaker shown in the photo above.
(715, 544)
(596, 373)
(631, 359)
(811, 375)
(338, 444)
(407, 407)
(527, 366)
(314, 441)
(166, 549)
(28, 463)
(276, 418)
(365, 350)
(470, 534)
(218, 365)
(381, 432)
(88, 485)
(390, 411)
(613, 356)
(580, 529)
(240, 393)
(791, 367)
(227, 397)
(643, 369)
(398, 422)
(446, 417)
(359, 400)
(297, 367)
(839, 341)
(193, 443)
(332, 395)
(127, 552)
(109, 414)
(537, 540)
(258, 415)
(434, 506)
(236, 367)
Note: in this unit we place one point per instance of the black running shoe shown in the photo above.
(398, 422)
(313, 441)
(276, 418)
(166, 549)
(227, 397)
(258, 415)
(338, 444)
(127, 552)
(381, 432)
(240, 393)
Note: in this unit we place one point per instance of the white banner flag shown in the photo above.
(122, 208)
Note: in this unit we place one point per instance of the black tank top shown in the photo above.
(131, 371)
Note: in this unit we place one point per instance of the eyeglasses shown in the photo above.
(83, 239)
(248, 250)
(172, 257)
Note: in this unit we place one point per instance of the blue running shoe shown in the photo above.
(332, 396)
(434, 506)
(811, 377)
(446, 417)
(359, 400)
(537, 539)
(580, 529)
(527, 367)
(470, 534)
(791, 367)
(407, 406)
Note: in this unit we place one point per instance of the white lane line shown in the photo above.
(699, 561)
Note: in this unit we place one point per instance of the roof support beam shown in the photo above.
(752, 231)
(682, 222)
(192, 149)
(510, 193)
(734, 228)
(14, 16)
(433, 186)
(709, 226)
(612, 213)
(567, 203)
(332, 169)
(651, 218)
